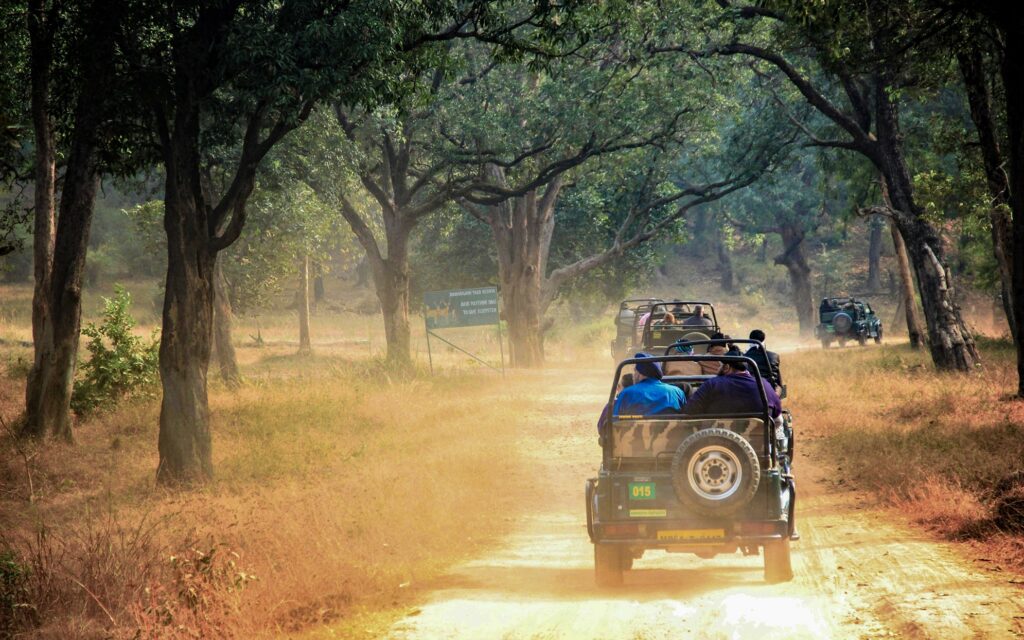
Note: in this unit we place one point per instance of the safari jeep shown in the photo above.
(705, 485)
(658, 333)
(842, 319)
(626, 332)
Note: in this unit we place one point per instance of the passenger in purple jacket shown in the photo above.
(734, 390)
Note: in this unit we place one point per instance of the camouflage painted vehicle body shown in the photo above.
(842, 319)
(657, 486)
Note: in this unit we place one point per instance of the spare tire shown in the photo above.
(715, 472)
(842, 322)
(693, 336)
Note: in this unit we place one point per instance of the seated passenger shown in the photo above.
(648, 395)
(711, 367)
(698, 319)
(733, 391)
(666, 320)
(625, 380)
(685, 367)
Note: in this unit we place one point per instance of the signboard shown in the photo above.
(461, 307)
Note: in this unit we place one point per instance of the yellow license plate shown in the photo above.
(676, 535)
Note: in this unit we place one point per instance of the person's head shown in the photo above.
(758, 335)
(698, 310)
(648, 369)
(669, 318)
(718, 349)
(729, 368)
(625, 380)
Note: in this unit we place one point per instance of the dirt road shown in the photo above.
(858, 573)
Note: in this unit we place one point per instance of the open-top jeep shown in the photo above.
(843, 319)
(659, 333)
(705, 485)
(627, 331)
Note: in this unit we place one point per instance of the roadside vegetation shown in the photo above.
(946, 451)
(340, 483)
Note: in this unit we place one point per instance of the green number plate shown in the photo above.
(641, 491)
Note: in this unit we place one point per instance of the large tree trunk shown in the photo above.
(522, 230)
(795, 261)
(972, 68)
(185, 343)
(949, 340)
(44, 171)
(875, 225)
(303, 298)
(914, 328)
(392, 283)
(1012, 63)
(222, 321)
(51, 379)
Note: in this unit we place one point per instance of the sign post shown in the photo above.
(461, 308)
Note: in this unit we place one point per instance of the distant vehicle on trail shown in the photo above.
(627, 331)
(847, 318)
(701, 484)
(670, 322)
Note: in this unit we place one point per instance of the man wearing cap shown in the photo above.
(648, 395)
(733, 391)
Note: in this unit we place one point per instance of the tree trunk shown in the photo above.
(727, 279)
(949, 340)
(522, 230)
(222, 321)
(795, 261)
(392, 283)
(185, 342)
(875, 254)
(972, 68)
(44, 171)
(1012, 63)
(304, 343)
(51, 379)
(914, 329)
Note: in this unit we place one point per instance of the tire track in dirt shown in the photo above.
(857, 574)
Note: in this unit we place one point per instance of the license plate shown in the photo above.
(694, 535)
(642, 491)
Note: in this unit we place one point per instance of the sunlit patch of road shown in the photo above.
(857, 574)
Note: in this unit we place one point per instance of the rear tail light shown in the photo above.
(621, 530)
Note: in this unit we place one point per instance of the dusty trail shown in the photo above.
(858, 575)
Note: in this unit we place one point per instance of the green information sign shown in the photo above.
(461, 307)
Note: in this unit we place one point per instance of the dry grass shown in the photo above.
(337, 488)
(933, 444)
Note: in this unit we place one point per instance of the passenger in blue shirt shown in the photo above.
(648, 395)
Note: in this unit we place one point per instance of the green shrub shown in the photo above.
(120, 363)
(14, 607)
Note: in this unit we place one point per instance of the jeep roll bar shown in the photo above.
(770, 427)
(706, 305)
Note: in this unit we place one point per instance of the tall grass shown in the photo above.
(337, 485)
(936, 444)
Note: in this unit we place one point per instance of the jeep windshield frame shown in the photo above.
(666, 306)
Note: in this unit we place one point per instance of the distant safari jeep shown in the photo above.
(659, 332)
(843, 319)
(704, 484)
(627, 329)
